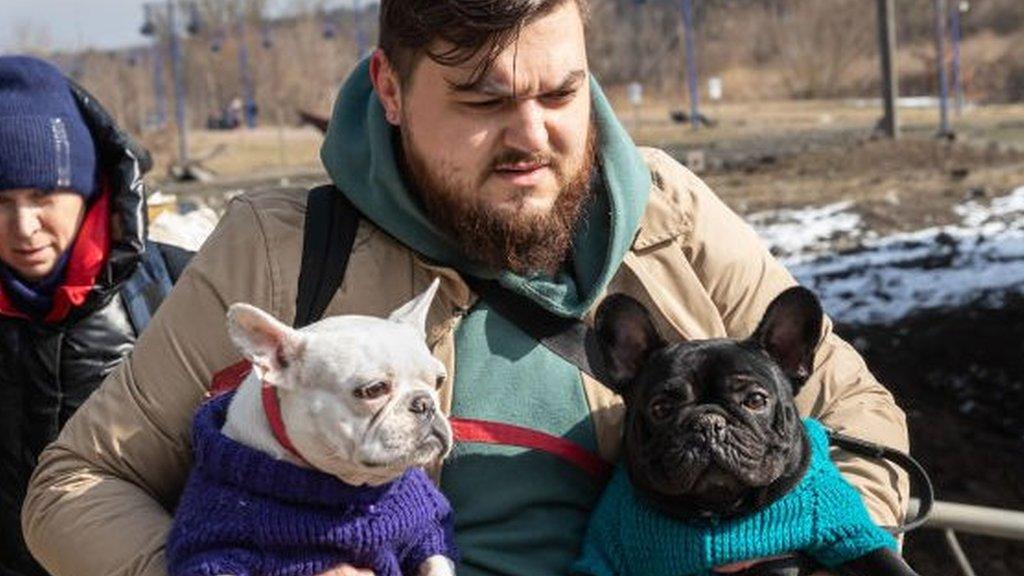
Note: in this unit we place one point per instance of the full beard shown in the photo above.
(523, 243)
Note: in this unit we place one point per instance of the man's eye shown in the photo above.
(483, 104)
(563, 96)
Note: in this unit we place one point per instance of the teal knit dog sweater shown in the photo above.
(822, 516)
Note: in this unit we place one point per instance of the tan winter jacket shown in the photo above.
(101, 499)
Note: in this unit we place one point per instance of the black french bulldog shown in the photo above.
(711, 430)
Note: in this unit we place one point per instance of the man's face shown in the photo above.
(502, 163)
(36, 227)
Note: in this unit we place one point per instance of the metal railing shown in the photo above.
(952, 518)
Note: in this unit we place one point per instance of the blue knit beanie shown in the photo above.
(44, 141)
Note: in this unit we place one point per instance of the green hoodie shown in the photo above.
(517, 511)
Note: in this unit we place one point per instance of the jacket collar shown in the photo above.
(664, 219)
(123, 162)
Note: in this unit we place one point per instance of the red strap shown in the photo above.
(272, 408)
(464, 429)
(487, 432)
(230, 378)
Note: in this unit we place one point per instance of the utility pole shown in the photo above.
(177, 71)
(150, 28)
(691, 64)
(940, 57)
(890, 78)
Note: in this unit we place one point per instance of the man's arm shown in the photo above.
(742, 278)
(99, 501)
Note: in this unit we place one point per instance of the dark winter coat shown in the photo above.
(47, 370)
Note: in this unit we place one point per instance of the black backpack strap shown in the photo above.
(330, 232)
(569, 338)
(157, 271)
(175, 259)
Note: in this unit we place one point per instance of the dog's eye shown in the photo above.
(755, 401)
(372, 391)
(439, 382)
(660, 409)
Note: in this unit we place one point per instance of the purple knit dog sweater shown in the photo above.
(246, 514)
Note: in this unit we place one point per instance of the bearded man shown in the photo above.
(474, 143)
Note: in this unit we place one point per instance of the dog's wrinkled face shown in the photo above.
(711, 427)
(358, 394)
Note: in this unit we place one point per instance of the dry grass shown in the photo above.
(262, 152)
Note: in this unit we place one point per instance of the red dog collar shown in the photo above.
(272, 408)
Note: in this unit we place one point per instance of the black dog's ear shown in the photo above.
(790, 330)
(626, 336)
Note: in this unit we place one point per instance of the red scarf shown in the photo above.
(88, 254)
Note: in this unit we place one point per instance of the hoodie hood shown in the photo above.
(359, 155)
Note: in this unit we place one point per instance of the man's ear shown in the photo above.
(790, 331)
(414, 312)
(626, 336)
(387, 86)
(270, 345)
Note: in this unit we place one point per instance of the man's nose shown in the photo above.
(26, 222)
(526, 130)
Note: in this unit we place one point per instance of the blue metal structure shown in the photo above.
(247, 83)
(159, 89)
(958, 83)
(940, 57)
(357, 12)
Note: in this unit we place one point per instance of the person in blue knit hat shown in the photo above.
(78, 281)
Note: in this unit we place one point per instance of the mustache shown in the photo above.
(520, 157)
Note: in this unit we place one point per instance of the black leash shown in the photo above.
(569, 338)
(917, 474)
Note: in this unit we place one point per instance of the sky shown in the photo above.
(73, 24)
(79, 24)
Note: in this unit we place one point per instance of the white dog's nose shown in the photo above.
(422, 405)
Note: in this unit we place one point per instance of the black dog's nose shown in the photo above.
(422, 405)
(712, 424)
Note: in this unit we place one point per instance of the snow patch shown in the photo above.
(981, 259)
(791, 233)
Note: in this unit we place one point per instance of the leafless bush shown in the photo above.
(818, 41)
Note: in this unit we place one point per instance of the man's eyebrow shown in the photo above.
(487, 85)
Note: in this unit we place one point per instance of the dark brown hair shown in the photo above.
(409, 28)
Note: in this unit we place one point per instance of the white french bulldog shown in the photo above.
(357, 394)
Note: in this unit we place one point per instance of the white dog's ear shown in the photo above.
(414, 312)
(270, 345)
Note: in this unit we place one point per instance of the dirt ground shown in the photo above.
(958, 373)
